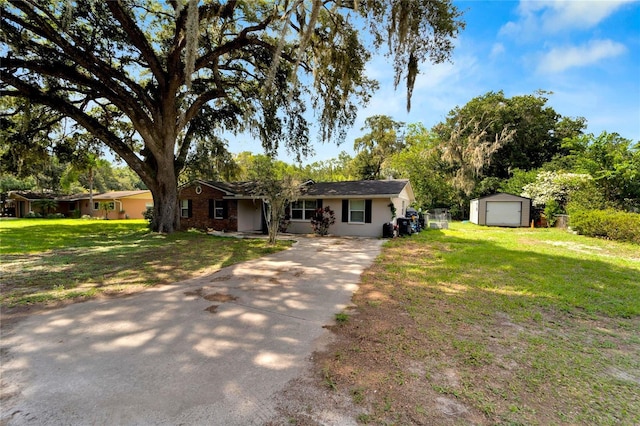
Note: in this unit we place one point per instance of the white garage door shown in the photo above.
(504, 213)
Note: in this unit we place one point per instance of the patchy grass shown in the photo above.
(53, 260)
(493, 326)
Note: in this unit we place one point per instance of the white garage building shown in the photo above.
(501, 210)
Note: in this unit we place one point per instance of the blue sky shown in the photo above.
(586, 52)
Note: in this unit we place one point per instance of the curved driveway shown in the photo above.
(213, 350)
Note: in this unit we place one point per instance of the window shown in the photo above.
(218, 209)
(303, 209)
(356, 211)
(185, 209)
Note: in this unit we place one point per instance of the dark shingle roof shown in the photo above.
(365, 188)
(234, 188)
(360, 188)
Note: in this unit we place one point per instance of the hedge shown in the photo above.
(609, 223)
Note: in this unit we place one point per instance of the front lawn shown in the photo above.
(50, 260)
(480, 325)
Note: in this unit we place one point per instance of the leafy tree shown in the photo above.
(210, 160)
(250, 164)
(518, 180)
(163, 70)
(26, 131)
(9, 182)
(384, 139)
(331, 170)
(276, 192)
(127, 179)
(468, 145)
(421, 162)
(535, 131)
(613, 163)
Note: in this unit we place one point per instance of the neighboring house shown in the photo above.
(361, 207)
(20, 203)
(501, 210)
(122, 204)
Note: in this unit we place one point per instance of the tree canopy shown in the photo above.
(149, 78)
(385, 137)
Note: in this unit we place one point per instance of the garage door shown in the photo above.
(503, 213)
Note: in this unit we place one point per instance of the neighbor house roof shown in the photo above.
(112, 195)
(30, 196)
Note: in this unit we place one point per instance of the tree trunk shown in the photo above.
(166, 214)
(91, 191)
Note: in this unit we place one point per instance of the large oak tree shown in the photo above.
(177, 71)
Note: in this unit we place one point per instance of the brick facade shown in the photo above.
(200, 211)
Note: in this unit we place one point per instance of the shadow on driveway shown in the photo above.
(212, 350)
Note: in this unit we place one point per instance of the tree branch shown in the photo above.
(89, 123)
(102, 70)
(138, 39)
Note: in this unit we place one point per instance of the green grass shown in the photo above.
(540, 326)
(50, 260)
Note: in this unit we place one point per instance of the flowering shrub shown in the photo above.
(555, 186)
(322, 219)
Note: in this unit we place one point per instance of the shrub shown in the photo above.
(55, 216)
(322, 219)
(551, 210)
(148, 215)
(284, 225)
(609, 223)
(32, 215)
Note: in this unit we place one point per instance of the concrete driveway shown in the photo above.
(213, 350)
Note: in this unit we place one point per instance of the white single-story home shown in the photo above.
(361, 208)
(501, 210)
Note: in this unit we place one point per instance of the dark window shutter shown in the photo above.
(367, 211)
(319, 203)
(211, 209)
(225, 210)
(190, 207)
(345, 210)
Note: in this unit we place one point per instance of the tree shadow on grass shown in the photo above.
(592, 284)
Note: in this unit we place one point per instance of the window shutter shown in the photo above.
(211, 209)
(367, 211)
(190, 208)
(225, 212)
(345, 210)
(319, 203)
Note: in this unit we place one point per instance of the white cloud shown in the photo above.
(497, 50)
(560, 59)
(554, 16)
